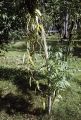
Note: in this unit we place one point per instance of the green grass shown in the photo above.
(55, 37)
(19, 101)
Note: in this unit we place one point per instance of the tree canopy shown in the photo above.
(13, 17)
(63, 14)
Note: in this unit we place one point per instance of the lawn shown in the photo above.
(20, 100)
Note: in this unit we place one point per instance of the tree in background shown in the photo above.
(64, 14)
(13, 20)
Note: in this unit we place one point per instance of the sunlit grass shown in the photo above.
(14, 82)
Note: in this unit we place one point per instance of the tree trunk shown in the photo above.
(49, 104)
(66, 26)
(47, 57)
(49, 97)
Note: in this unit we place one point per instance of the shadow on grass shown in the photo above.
(14, 103)
(77, 52)
(21, 78)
